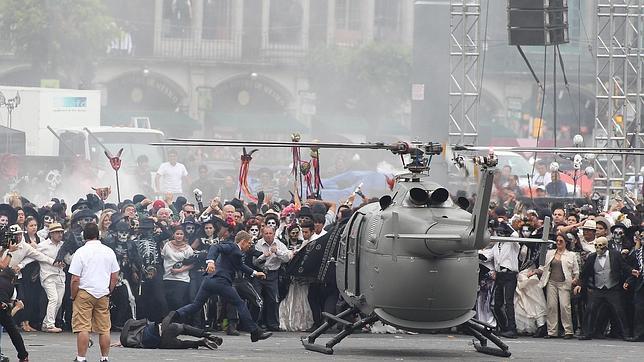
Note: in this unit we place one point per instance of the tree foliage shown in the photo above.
(58, 36)
(370, 81)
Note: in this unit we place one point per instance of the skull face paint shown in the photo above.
(4, 220)
(123, 236)
(618, 232)
(190, 229)
(254, 230)
(84, 221)
(601, 245)
(272, 223)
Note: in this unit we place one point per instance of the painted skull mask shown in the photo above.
(601, 245)
(254, 230)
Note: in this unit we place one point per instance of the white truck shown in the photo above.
(63, 126)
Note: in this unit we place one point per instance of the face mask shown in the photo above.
(254, 231)
(272, 223)
(190, 229)
(123, 236)
(618, 233)
(601, 246)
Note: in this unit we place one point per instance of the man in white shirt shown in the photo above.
(94, 272)
(274, 253)
(52, 278)
(171, 175)
(505, 256)
(541, 177)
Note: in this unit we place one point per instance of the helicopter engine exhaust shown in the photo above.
(439, 196)
(418, 196)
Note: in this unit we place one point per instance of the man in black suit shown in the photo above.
(636, 284)
(220, 279)
(604, 274)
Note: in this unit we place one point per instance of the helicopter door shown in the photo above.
(352, 270)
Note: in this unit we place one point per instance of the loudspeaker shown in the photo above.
(537, 22)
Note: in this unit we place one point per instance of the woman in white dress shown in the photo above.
(294, 312)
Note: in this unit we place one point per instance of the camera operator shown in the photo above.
(8, 245)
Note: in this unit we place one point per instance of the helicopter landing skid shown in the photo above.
(484, 332)
(330, 320)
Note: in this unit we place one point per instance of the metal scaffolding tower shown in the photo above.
(464, 82)
(619, 91)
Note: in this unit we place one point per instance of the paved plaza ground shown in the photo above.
(373, 347)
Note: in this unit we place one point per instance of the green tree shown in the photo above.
(58, 37)
(370, 81)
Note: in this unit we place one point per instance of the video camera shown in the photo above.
(6, 237)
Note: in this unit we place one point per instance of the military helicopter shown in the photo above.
(410, 260)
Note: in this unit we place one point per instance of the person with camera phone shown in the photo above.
(9, 244)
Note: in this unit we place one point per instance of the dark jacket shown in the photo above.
(132, 333)
(619, 269)
(635, 284)
(228, 259)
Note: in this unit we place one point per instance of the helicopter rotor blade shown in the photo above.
(252, 143)
(399, 148)
(573, 150)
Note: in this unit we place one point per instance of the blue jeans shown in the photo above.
(223, 288)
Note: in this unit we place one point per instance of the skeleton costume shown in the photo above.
(151, 299)
(621, 240)
(72, 240)
(123, 298)
(603, 274)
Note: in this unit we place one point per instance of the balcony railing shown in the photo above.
(187, 44)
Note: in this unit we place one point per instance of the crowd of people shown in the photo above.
(589, 283)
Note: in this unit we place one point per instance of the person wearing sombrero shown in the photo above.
(52, 278)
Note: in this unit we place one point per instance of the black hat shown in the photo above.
(138, 198)
(81, 214)
(94, 202)
(237, 203)
(618, 225)
(9, 212)
(121, 226)
(189, 220)
(116, 217)
(500, 211)
(179, 202)
(319, 209)
(124, 204)
(80, 203)
(59, 210)
(305, 211)
(146, 223)
(110, 206)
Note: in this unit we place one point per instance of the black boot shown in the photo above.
(232, 329)
(259, 334)
(540, 332)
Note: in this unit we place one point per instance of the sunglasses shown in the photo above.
(190, 212)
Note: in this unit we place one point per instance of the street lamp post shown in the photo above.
(10, 104)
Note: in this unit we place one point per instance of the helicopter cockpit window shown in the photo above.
(419, 197)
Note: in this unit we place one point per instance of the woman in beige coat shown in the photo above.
(558, 274)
